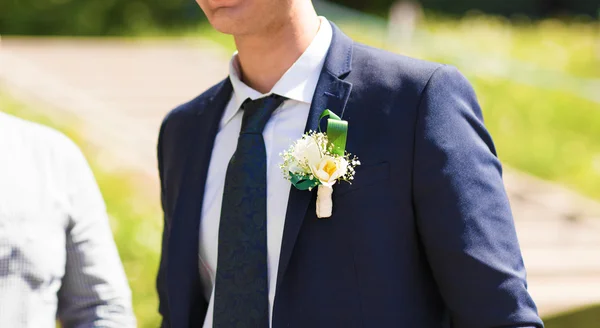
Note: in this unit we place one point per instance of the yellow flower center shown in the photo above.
(330, 167)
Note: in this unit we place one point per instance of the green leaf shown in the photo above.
(302, 182)
(337, 132)
(329, 113)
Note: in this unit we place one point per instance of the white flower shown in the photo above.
(294, 167)
(329, 169)
(307, 151)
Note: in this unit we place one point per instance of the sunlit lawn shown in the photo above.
(554, 135)
(551, 45)
(572, 48)
(587, 317)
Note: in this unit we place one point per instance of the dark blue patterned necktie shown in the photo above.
(241, 288)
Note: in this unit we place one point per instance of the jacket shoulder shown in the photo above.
(390, 68)
(181, 113)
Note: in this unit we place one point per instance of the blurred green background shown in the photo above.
(118, 17)
(535, 65)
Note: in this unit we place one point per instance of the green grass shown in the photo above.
(587, 317)
(135, 215)
(554, 45)
(553, 135)
(571, 48)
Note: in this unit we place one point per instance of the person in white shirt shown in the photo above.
(58, 259)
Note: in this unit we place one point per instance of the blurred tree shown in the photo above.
(93, 17)
(535, 8)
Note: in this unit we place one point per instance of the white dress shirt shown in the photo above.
(57, 254)
(285, 126)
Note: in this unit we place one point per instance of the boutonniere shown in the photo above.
(319, 159)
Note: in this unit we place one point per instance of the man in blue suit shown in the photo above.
(422, 238)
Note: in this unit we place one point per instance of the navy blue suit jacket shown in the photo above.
(423, 237)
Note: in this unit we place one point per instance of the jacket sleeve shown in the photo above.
(94, 291)
(463, 214)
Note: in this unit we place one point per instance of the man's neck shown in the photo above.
(265, 57)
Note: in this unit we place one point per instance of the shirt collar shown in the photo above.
(298, 83)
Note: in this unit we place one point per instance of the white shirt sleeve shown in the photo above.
(94, 291)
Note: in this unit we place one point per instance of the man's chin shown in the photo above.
(226, 23)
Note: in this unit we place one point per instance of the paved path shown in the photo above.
(120, 90)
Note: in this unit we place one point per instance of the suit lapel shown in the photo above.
(332, 93)
(185, 293)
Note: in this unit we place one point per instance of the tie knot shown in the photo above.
(257, 113)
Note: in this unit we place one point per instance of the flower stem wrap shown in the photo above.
(324, 201)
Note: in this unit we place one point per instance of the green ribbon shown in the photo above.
(337, 131)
